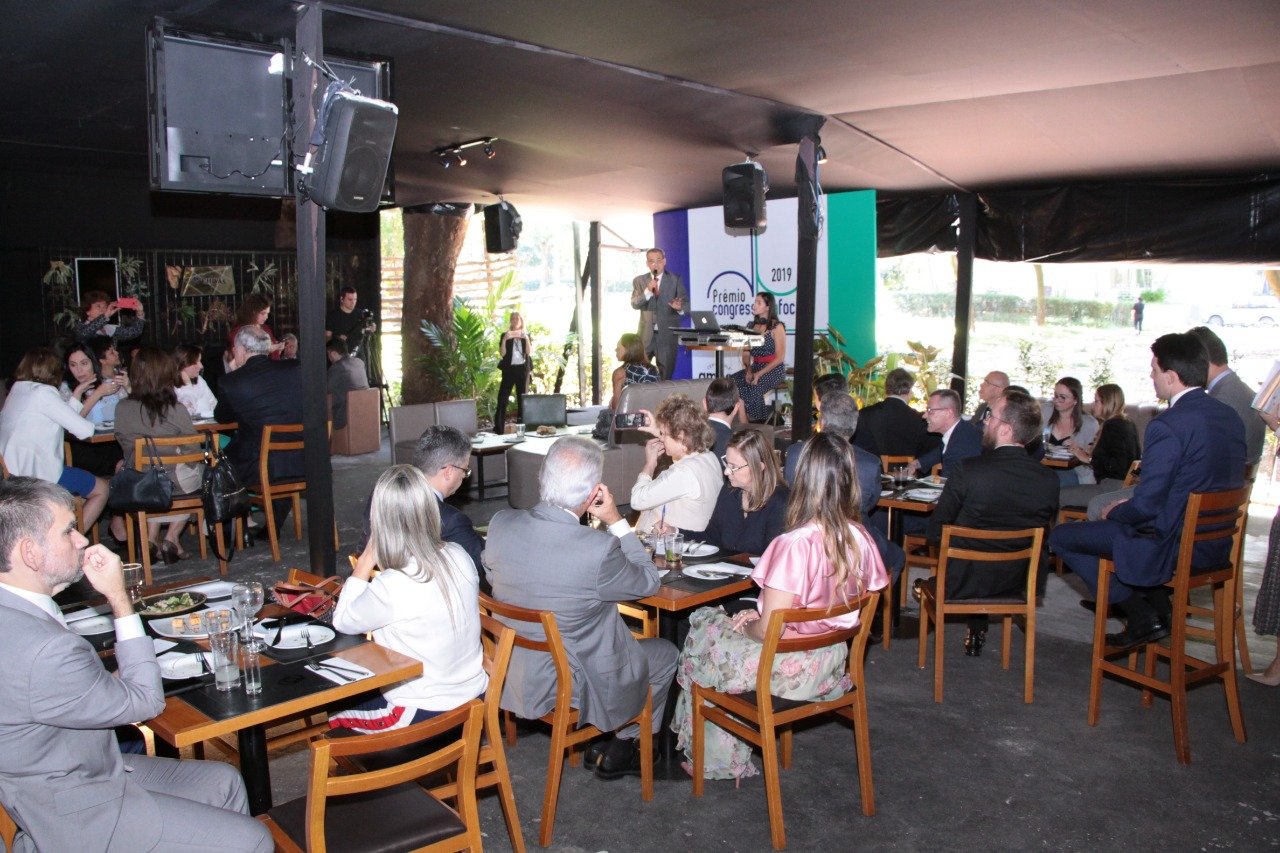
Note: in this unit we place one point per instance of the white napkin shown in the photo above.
(731, 568)
(926, 495)
(352, 670)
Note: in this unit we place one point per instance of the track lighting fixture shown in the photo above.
(822, 154)
(452, 155)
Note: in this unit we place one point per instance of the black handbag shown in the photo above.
(221, 492)
(132, 490)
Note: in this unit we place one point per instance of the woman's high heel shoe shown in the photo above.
(973, 642)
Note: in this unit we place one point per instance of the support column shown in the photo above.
(966, 240)
(593, 267)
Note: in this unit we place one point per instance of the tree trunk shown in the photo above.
(1273, 281)
(432, 243)
(1039, 294)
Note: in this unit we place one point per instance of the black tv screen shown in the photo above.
(218, 108)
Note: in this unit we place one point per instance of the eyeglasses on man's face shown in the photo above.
(729, 466)
(466, 472)
(990, 415)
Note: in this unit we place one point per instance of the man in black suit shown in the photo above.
(1003, 489)
(891, 427)
(991, 387)
(722, 405)
(960, 438)
(256, 393)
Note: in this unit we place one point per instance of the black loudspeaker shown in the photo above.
(501, 228)
(744, 188)
(350, 168)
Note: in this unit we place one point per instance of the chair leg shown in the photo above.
(1006, 640)
(509, 727)
(886, 614)
(862, 748)
(1225, 630)
(646, 749)
(773, 786)
(204, 540)
(1241, 638)
(1178, 694)
(551, 796)
(297, 516)
(220, 540)
(925, 613)
(1029, 663)
(269, 510)
(130, 547)
(1099, 640)
(506, 794)
(144, 538)
(699, 740)
(785, 738)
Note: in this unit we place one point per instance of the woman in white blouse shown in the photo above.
(33, 423)
(193, 392)
(685, 494)
(425, 603)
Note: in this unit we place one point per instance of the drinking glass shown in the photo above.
(520, 430)
(225, 645)
(899, 476)
(674, 551)
(250, 665)
(133, 581)
(248, 598)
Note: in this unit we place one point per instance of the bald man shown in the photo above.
(993, 385)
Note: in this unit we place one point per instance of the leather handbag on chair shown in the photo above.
(151, 490)
(223, 495)
(314, 600)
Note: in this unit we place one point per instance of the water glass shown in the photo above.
(899, 476)
(133, 578)
(673, 544)
(520, 430)
(250, 665)
(224, 642)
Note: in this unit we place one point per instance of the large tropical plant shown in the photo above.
(463, 358)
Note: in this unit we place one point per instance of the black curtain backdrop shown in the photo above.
(1235, 220)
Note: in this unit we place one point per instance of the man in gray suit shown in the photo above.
(661, 299)
(1227, 386)
(542, 558)
(62, 777)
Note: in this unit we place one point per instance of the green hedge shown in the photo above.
(1002, 307)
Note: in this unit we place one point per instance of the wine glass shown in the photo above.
(248, 598)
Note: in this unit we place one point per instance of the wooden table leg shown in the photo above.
(254, 769)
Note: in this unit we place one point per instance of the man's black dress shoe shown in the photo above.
(973, 642)
(1136, 634)
(594, 751)
(621, 757)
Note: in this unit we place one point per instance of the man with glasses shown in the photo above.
(960, 438)
(1001, 489)
(991, 387)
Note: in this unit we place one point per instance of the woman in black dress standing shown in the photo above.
(517, 351)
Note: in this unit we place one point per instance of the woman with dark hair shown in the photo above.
(255, 310)
(1067, 424)
(635, 368)
(98, 308)
(95, 397)
(33, 423)
(424, 604)
(517, 353)
(153, 411)
(825, 557)
(685, 494)
(193, 392)
(764, 367)
(751, 512)
(1107, 460)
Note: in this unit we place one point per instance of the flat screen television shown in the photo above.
(218, 111)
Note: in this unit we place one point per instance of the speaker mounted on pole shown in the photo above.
(354, 135)
(744, 187)
(502, 226)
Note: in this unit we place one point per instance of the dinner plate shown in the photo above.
(214, 590)
(291, 637)
(147, 607)
(932, 482)
(704, 573)
(165, 628)
(93, 625)
(177, 667)
(699, 549)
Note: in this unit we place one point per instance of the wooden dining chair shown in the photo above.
(1011, 608)
(384, 809)
(567, 731)
(191, 503)
(646, 618)
(1210, 516)
(8, 828)
(887, 462)
(762, 723)
(281, 438)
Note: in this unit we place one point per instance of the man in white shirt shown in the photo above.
(62, 777)
(960, 438)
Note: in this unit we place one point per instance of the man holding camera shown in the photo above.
(348, 325)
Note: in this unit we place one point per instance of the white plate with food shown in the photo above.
(177, 667)
(932, 482)
(295, 636)
(213, 590)
(190, 626)
(173, 603)
(708, 573)
(93, 625)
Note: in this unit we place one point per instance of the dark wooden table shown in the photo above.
(897, 503)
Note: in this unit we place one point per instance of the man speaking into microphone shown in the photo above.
(661, 299)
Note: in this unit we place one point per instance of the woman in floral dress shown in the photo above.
(764, 367)
(825, 558)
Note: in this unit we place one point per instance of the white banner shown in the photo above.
(726, 272)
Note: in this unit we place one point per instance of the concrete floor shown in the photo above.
(979, 771)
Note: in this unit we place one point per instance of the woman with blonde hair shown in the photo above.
(685, 494)
(425, 603)
(517, 353)
(1107, 460)
(825, 558)
(751, 512)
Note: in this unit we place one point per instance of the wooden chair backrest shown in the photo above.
(774, 644)
(142, 459)
(887, 462)
(460, 753)
(1135, 471)
(1211, 516)
(647, 618)
(499, 642)
(550, 644)
(1031, 553)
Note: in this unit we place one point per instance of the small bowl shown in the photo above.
(147, 607)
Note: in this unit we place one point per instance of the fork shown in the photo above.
(306, 638)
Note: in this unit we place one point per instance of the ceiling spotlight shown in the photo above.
(822, 154)
(457, 153)
(488, 151)
(451, 155)
(445, 160)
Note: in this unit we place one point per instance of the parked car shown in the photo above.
(1258, 314)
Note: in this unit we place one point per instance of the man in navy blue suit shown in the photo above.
(1196, 445)
(960, 438)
